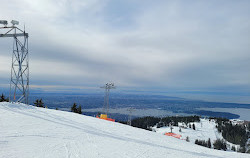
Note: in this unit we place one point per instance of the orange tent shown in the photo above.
(173, 135)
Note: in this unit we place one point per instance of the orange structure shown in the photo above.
(173, 135)
(105, 117)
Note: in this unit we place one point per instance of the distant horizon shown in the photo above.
(96, 90)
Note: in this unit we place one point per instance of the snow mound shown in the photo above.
(27, 131)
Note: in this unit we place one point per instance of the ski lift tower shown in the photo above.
(107, 88)
(19, 79)
(131, 109)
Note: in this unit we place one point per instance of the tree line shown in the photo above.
(204, 143)
(74, 108)
(150, 121)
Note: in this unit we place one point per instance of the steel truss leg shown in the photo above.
(19, 82)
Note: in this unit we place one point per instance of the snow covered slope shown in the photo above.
(28, 132)
(205, 129)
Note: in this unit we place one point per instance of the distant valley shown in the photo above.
(153, 105)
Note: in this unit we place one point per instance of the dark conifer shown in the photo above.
(36, 103)
(220, 144)
(41, 104)
(233, 148)
(193, 127)
(196, 141)
(73, 108)
(209, 143)
(3, 99)
(79, 110)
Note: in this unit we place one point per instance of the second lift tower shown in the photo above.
(107, 88)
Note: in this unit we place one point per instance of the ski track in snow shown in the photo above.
(50, 133)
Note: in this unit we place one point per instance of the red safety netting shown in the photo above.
(173, 135)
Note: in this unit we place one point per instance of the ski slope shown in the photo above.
(28, 132)
(204, 130)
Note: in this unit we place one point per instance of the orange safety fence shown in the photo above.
(173, 135)
(108, 119)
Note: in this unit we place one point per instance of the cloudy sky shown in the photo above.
(194, 49)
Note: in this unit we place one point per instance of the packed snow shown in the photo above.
(28, 132)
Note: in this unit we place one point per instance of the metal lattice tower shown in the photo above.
(131, 109)
(19, 80)
(107, 88)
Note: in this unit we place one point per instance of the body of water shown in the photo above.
(144, 105)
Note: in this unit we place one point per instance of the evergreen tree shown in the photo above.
(193, 127)
(209, 143)
(74, 108)
(233, 148)
(79, 110)
(242, 149)
(220, 144)
(196, 141)
(3, 99)
(36, 103)
(41, 104)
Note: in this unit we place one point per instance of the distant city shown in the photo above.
(145, 105)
